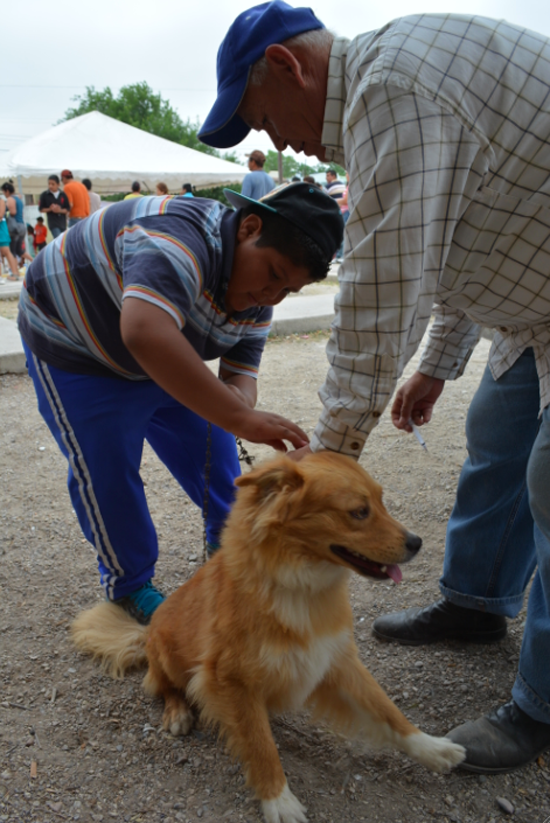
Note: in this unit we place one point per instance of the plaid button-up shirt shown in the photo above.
(443, 123)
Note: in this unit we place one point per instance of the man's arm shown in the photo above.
(413, 170)
(153, 338)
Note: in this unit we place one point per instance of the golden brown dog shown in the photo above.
(266, 625)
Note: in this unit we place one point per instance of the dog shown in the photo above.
(265, 626)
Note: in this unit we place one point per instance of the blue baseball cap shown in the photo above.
(244, 44)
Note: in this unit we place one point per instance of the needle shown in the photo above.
(416, 432)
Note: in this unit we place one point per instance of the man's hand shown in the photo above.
(416, 399)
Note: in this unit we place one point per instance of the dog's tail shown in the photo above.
(106, 631)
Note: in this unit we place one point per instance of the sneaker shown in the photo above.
(211, 549)
(142, 603)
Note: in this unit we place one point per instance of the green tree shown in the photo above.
(291, 166)
(139, 106)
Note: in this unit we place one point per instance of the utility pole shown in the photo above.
(280, 159)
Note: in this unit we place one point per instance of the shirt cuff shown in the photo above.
(334, 435)
(444, 361)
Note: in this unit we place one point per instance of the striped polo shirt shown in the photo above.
(173, 252)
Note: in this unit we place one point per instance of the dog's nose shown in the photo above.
(413, 542)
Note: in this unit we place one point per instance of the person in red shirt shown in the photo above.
(40, 233)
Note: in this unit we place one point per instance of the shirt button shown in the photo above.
(503, 329)
(355, 446)
(376, 414)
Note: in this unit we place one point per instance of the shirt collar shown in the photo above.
(332, 136)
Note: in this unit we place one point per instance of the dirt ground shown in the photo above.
(76, 745)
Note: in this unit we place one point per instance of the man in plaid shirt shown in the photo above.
(443, 123)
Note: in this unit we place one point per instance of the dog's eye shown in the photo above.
(361, 514)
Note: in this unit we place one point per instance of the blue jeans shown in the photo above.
(56, 231)
(100, 424)
(499, 530)
(74, 220)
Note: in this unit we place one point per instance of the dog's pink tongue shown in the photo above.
(395, 573)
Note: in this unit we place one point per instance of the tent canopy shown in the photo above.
(113, 155)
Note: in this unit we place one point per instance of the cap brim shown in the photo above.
(223, 127)
(240, 201)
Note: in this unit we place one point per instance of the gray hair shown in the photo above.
(314, 39)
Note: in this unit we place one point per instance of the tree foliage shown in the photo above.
(139, 106)
(291, 166)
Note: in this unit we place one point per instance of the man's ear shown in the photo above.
(285, 65)
(250, 226)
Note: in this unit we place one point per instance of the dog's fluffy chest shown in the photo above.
(297, 670)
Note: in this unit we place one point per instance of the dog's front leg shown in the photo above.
(245, 727)
(351, 699)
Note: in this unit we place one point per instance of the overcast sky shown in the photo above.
(52, 51)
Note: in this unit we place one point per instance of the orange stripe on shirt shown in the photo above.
(169, 239)
(83, 317)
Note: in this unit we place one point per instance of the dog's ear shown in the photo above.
(273, 488)
(284, 475)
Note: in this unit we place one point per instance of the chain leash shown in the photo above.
(207, 467)
(244, 457)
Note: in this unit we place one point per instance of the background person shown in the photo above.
(15, 220)
(187, 190)
(5, 243)
(344, 210)
(39, 234)
(95, 199)
(257, 182)
(78, 197)
(31, 241)
(55, 203)
(450, 209)
(161, 189)
(136, 191)
(193, 281)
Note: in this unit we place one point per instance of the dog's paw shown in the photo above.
(177, 718)
(284, 809)
(437, 753)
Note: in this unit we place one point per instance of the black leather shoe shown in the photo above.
(442, 620)
(503, 740)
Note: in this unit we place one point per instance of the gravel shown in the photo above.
(76, 745)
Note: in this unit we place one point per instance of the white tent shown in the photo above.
(113, 155)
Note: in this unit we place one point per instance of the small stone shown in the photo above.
(505, 805)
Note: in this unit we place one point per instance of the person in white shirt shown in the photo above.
(443, 124)
(95, 199)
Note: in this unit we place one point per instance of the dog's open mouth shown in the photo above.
(368, 567)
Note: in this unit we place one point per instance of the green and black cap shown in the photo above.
(305, 206)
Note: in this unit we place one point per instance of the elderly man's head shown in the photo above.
(272, 76)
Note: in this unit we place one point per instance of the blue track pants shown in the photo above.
(100, 424)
